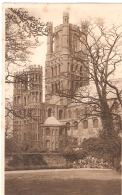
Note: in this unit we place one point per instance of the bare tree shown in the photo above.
(99, 54)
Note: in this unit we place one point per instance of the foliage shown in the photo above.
(81, 153)
(69, 153)
(108, 149)
(11, 145)
(22, 32)
(27, 159)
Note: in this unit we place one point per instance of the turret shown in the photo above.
(65, 43)
(65, 18)
(49, 39)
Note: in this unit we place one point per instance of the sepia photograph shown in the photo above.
(62, 80)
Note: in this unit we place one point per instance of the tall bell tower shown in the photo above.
(62, 74)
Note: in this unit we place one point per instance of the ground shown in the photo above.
(63, 182)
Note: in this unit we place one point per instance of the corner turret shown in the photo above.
(65, 18)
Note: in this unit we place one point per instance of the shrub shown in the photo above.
(107, 148)
(69, 153)
(27, 160)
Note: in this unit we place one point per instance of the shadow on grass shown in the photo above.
(20, 186)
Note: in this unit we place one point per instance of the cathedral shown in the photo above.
(47, 125)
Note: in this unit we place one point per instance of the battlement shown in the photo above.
(74, 27)
(49, 24)
(34, 68)
(58, 28)
(65, 14)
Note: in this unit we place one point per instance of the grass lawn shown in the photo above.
(74, 182)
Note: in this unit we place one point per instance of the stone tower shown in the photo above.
(63, 74)
(27, 106)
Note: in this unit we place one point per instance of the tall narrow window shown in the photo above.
(53, 145)
(59, 69)
(48, 144)
(68, 126)
(60, 114)
(53, 132)
(49, 112)
(56, 87)
(56, 71)
(52, 71)
(47, 130)
(70, 113)
(95, 123)
(75, 124)
(85, 124)
(52, 88)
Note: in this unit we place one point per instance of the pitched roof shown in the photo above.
(52, 121)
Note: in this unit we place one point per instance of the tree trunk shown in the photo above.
(107, 119)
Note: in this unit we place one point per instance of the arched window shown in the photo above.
(57, 133)
(76, 112)
(56, 145)
(60, 114)
(52, 71)
(48, 144)
(47, 131)
(95, 123)
(53, 145)
(59, 69)
(70, 113)
(60, 131)
(18, 99)
(52, 88)
(53, 132)
(56, 71)
(49, 112)
(68, 126)
(85, 124)
(36, 96)
(56, 87)
(59, 85)
(75, 124)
